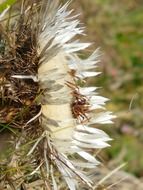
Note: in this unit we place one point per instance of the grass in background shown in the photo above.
(117, 27)
(5, 3)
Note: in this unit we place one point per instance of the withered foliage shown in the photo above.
(18, 56)
(80, 104)
(18, 95)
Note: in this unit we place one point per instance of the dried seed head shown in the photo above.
(41, 96)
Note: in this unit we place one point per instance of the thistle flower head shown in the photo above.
(43, 98)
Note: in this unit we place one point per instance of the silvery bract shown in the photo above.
(69, 111)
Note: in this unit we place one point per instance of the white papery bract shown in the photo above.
(66, 133)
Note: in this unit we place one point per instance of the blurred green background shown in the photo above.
(117, 27)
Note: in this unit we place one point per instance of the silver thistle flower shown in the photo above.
(67, 110)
